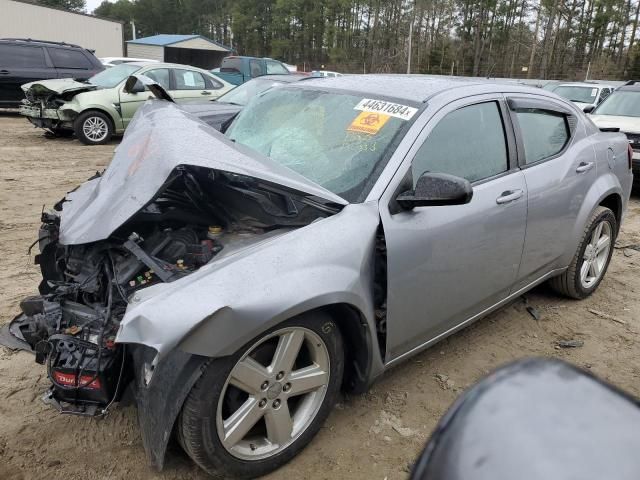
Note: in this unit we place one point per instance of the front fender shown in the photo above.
(225, 304)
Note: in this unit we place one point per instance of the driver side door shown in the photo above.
(447, 264)
(130, 102)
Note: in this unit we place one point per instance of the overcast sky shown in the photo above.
(92, 4)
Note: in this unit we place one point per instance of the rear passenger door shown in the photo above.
(558, 163)
(20, 64)
(446, 264)
(189, 85)
(70, 63)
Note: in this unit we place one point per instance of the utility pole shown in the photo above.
(588, 70)
(410, 35)
(133, 28)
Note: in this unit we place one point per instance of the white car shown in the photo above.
(622, 111)
(113, 61)
(584, 94)
(325, 73)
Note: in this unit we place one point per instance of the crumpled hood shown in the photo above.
(57, 85)
(162, 137)
(625, 124)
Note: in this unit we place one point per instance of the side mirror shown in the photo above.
(133, 85)
(588, 109)
(433, 189)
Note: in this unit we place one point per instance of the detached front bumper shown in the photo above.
(48, 117)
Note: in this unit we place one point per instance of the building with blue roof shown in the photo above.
(196, 50)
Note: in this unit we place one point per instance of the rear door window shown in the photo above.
(469, 142)
(544, 133)
(19, 56)
(189, 80)
(65, 58)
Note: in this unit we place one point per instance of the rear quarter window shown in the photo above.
(66, 58)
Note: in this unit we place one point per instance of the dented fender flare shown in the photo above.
(159, 402)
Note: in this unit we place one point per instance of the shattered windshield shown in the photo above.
(339, 141)
(111, 77)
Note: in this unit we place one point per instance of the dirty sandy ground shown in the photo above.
(371, 436)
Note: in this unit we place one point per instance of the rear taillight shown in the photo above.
(630, 155)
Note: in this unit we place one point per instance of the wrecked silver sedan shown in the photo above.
(235, 282)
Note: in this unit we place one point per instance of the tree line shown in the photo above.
(559, 39)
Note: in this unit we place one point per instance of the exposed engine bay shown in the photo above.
(197, 215)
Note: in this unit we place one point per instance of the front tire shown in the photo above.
(255, 410)
(93, 128)
(590, 263)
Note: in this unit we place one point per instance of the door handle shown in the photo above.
(4, 72)
(205, 93)
(509, 196)
(584, 167)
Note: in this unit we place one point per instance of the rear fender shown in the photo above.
(605, 185)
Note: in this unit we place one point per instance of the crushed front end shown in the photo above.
(72, 325)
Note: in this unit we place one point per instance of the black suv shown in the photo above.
(26, 60)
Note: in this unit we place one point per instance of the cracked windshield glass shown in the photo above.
(338, 141)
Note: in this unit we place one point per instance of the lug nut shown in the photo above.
(279, 376)
(286, 387)
(276, 404)
(264, 385)
(262, 403)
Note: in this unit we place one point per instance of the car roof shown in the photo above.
(284, 78)
(31, 41)
(585, 84)
(414, 88)
(167, 65)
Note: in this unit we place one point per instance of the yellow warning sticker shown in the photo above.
(368, 122)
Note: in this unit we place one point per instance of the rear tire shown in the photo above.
(93, 128)
(589, 265)
(283, 412)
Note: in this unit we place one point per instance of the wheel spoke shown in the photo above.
(243, 420)
(595, 268)
(307, 380)
(248, 375)
(279, 424)
(287, 351)
(584, 271)
(596, 234)
(603, 244)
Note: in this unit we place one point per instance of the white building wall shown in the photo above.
(25, 20)
(150, 52)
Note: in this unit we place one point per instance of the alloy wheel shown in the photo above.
(596, 255)
(95, 129)
(273, 393)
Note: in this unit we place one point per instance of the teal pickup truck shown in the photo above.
(237, 70)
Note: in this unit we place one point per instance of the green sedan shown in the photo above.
(100, 107)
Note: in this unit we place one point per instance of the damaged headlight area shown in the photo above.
(85, 290)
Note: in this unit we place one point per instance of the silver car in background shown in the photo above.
(238, 281)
